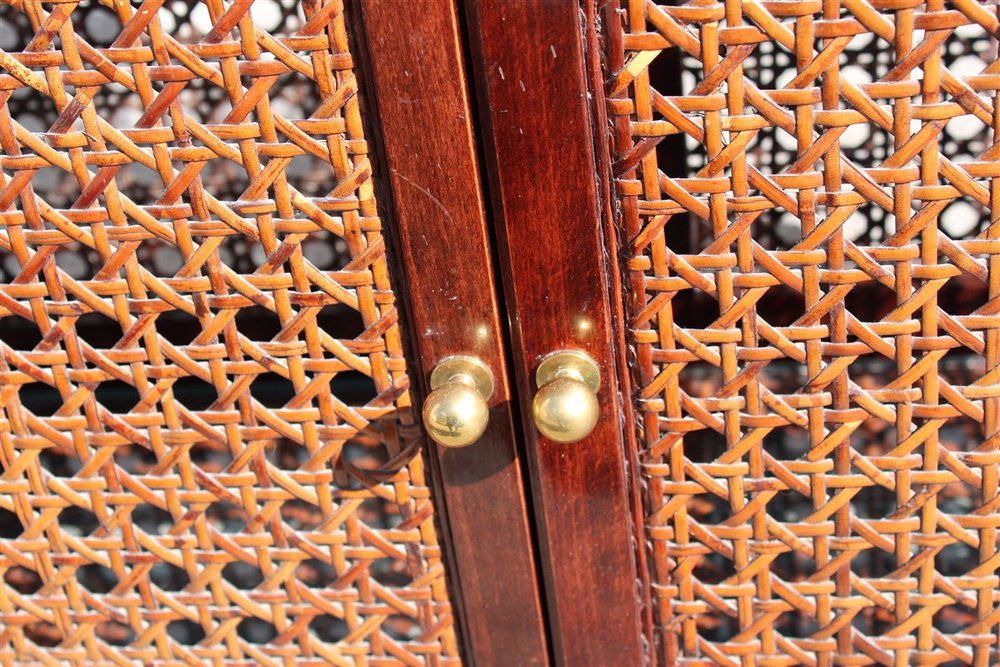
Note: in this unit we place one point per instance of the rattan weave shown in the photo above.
(206, 442)
(814, 331)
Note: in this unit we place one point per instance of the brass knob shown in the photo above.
(565, 407)
(456, 411)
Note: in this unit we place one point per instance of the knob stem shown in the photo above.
(569, 372)
(464, 378)
(573, 364)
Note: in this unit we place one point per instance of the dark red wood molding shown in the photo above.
(532, 82)
(600, 26)
(417, 79)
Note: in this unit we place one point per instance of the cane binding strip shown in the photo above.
(206, 441)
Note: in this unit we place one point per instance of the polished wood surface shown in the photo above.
(531, 80)
(419, 86)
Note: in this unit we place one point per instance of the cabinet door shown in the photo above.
(208, 445)
(807, 196)
(778, 222)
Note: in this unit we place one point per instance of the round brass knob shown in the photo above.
(456, 411)
(565, 407)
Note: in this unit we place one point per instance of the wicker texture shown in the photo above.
(818, 417)
(208, 458)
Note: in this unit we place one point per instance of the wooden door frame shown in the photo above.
(537, 74)
(417, 93)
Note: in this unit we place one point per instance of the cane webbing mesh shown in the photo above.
(207, 453)
(808, 193)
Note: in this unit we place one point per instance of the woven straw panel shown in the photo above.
(807, 193)
(206, 442)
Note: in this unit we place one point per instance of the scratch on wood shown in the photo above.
(427, 192)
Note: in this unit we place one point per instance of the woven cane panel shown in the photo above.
(207, 447)
(807, 193)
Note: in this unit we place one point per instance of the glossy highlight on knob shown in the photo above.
(456, 412)
(565, 407)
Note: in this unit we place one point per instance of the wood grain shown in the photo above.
(530, 76)
(419, 85)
